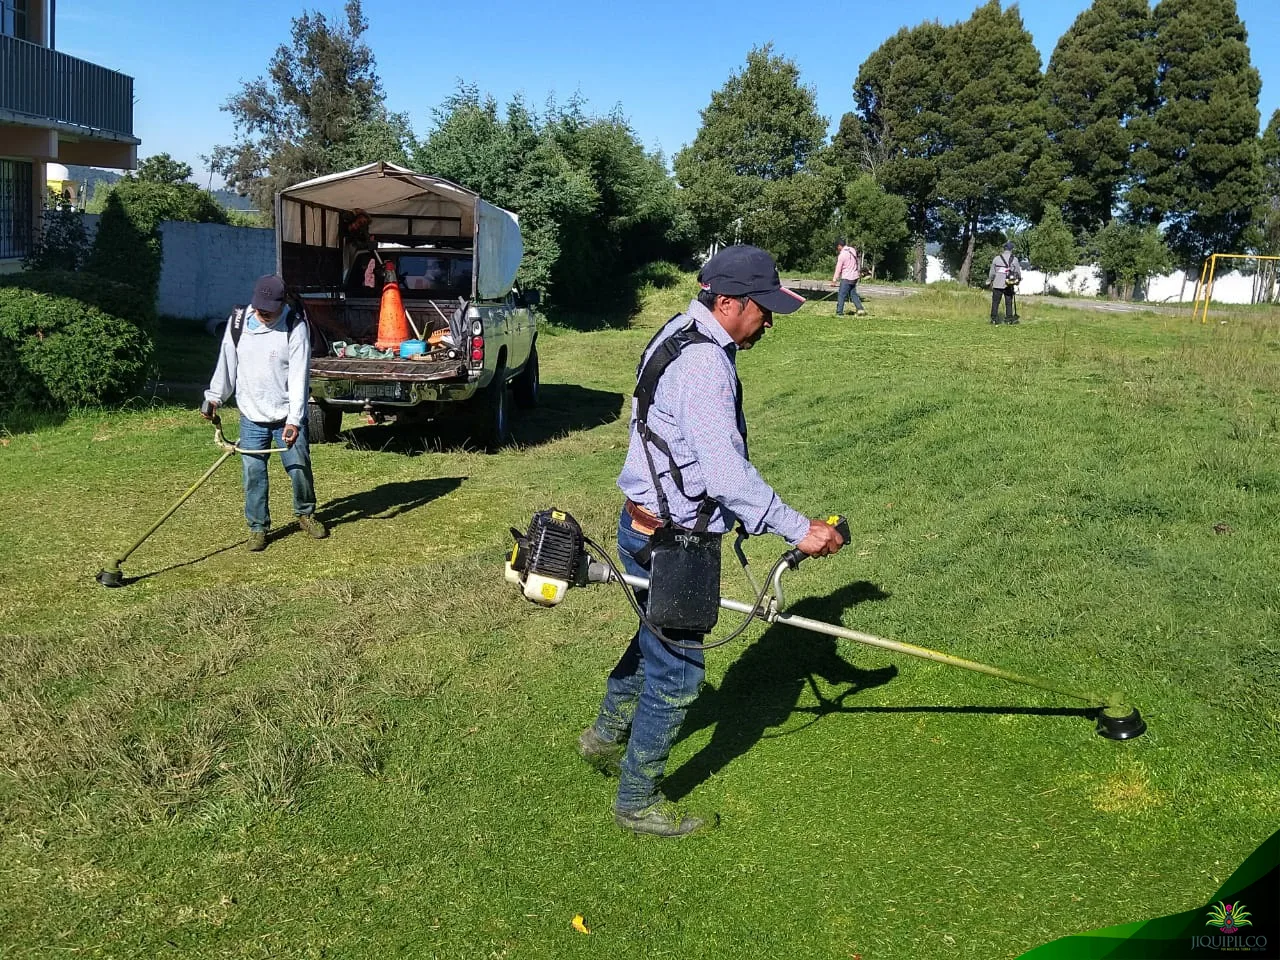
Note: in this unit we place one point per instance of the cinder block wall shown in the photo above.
(208, 267)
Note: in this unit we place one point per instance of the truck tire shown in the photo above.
(497, 411)
(324, 423)
(527, 382)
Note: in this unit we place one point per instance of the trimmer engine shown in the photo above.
(548, 559)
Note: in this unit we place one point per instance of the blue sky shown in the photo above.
(659, 60)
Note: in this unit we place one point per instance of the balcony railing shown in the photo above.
(47, 85)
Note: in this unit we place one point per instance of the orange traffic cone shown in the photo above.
(393, 325)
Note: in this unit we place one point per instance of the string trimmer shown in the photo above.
(112, 576)
(552, 557)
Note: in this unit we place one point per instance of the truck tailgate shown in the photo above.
(407, 371)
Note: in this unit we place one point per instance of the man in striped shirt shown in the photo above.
(696, 414)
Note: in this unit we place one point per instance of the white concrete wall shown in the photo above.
(208, 267)
(1085, 281)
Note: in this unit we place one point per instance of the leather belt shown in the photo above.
(642, 521)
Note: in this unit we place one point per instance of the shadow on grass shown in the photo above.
(616, 307)
(387, 500)
(563, 408)
(185, 563)
(762, 687)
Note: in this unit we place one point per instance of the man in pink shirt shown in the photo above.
(848, 272)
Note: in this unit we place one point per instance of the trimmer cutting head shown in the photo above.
(1120, 722)
(111, 577)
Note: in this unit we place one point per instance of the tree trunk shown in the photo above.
(921, 264)
(972, 230)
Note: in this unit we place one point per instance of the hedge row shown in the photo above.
(58, 352)
(118, 299)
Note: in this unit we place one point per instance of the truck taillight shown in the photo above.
(477, 348)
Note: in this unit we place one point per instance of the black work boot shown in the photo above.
(604, 755)
(661, 819)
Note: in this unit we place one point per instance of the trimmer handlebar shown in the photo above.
(794, 556)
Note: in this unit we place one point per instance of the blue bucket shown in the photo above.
(409, 348)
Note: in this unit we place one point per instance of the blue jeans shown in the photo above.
(648, 692)
(296, 462)
(848, 291)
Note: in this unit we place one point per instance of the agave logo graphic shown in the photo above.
(1228, 917)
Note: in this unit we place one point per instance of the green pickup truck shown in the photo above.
(455, 258)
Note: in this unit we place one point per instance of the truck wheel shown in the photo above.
(527, 382)
(324, 423)
(497, 411)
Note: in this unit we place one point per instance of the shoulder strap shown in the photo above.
(238, 313)
(649, 373)
(236, 323)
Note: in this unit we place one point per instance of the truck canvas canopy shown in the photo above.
(314, 246)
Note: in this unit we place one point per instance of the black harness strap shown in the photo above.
(236, 321)
(648, 373)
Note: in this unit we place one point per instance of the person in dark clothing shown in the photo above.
(1004, 275)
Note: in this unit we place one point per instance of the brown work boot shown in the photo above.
(604, 755)
(662, 819)
(312, 526)
(257, 541)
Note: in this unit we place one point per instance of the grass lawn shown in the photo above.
(364, 747)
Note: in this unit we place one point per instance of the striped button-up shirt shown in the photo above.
(695, 412)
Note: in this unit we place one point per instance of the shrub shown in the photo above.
(63, 243)
(126, 250)
(118, 299)
(58, 352)
(127, 246)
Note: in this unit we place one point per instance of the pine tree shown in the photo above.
(760, 128)
(1197, 169)
(318, 110)
(1269, 214)
(900, 126)
(1101, 76)
(994, 123)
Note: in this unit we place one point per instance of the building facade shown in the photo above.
(53, 109)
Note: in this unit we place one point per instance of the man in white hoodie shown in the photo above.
(265, 361)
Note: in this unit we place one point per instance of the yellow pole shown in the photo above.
(1208, 290)
(1195, 301)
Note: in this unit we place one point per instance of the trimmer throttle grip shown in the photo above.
(794, 556)
(841, 523)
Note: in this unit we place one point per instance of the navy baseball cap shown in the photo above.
(1009, 245)
(268, 294)
(746, 271)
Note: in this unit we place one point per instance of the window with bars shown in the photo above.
(13, 18)
(15, 209)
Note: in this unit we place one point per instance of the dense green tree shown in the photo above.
(761, 127)
(874, 221)
(509, 162)
(994, 123)
(162, 168)
(1102, 75)
(1131, 253)
(1051, 247)
(636, 217)
(1268, 219)
(318, 110)
(1196, 169)
(593, 205)
(900, 130)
